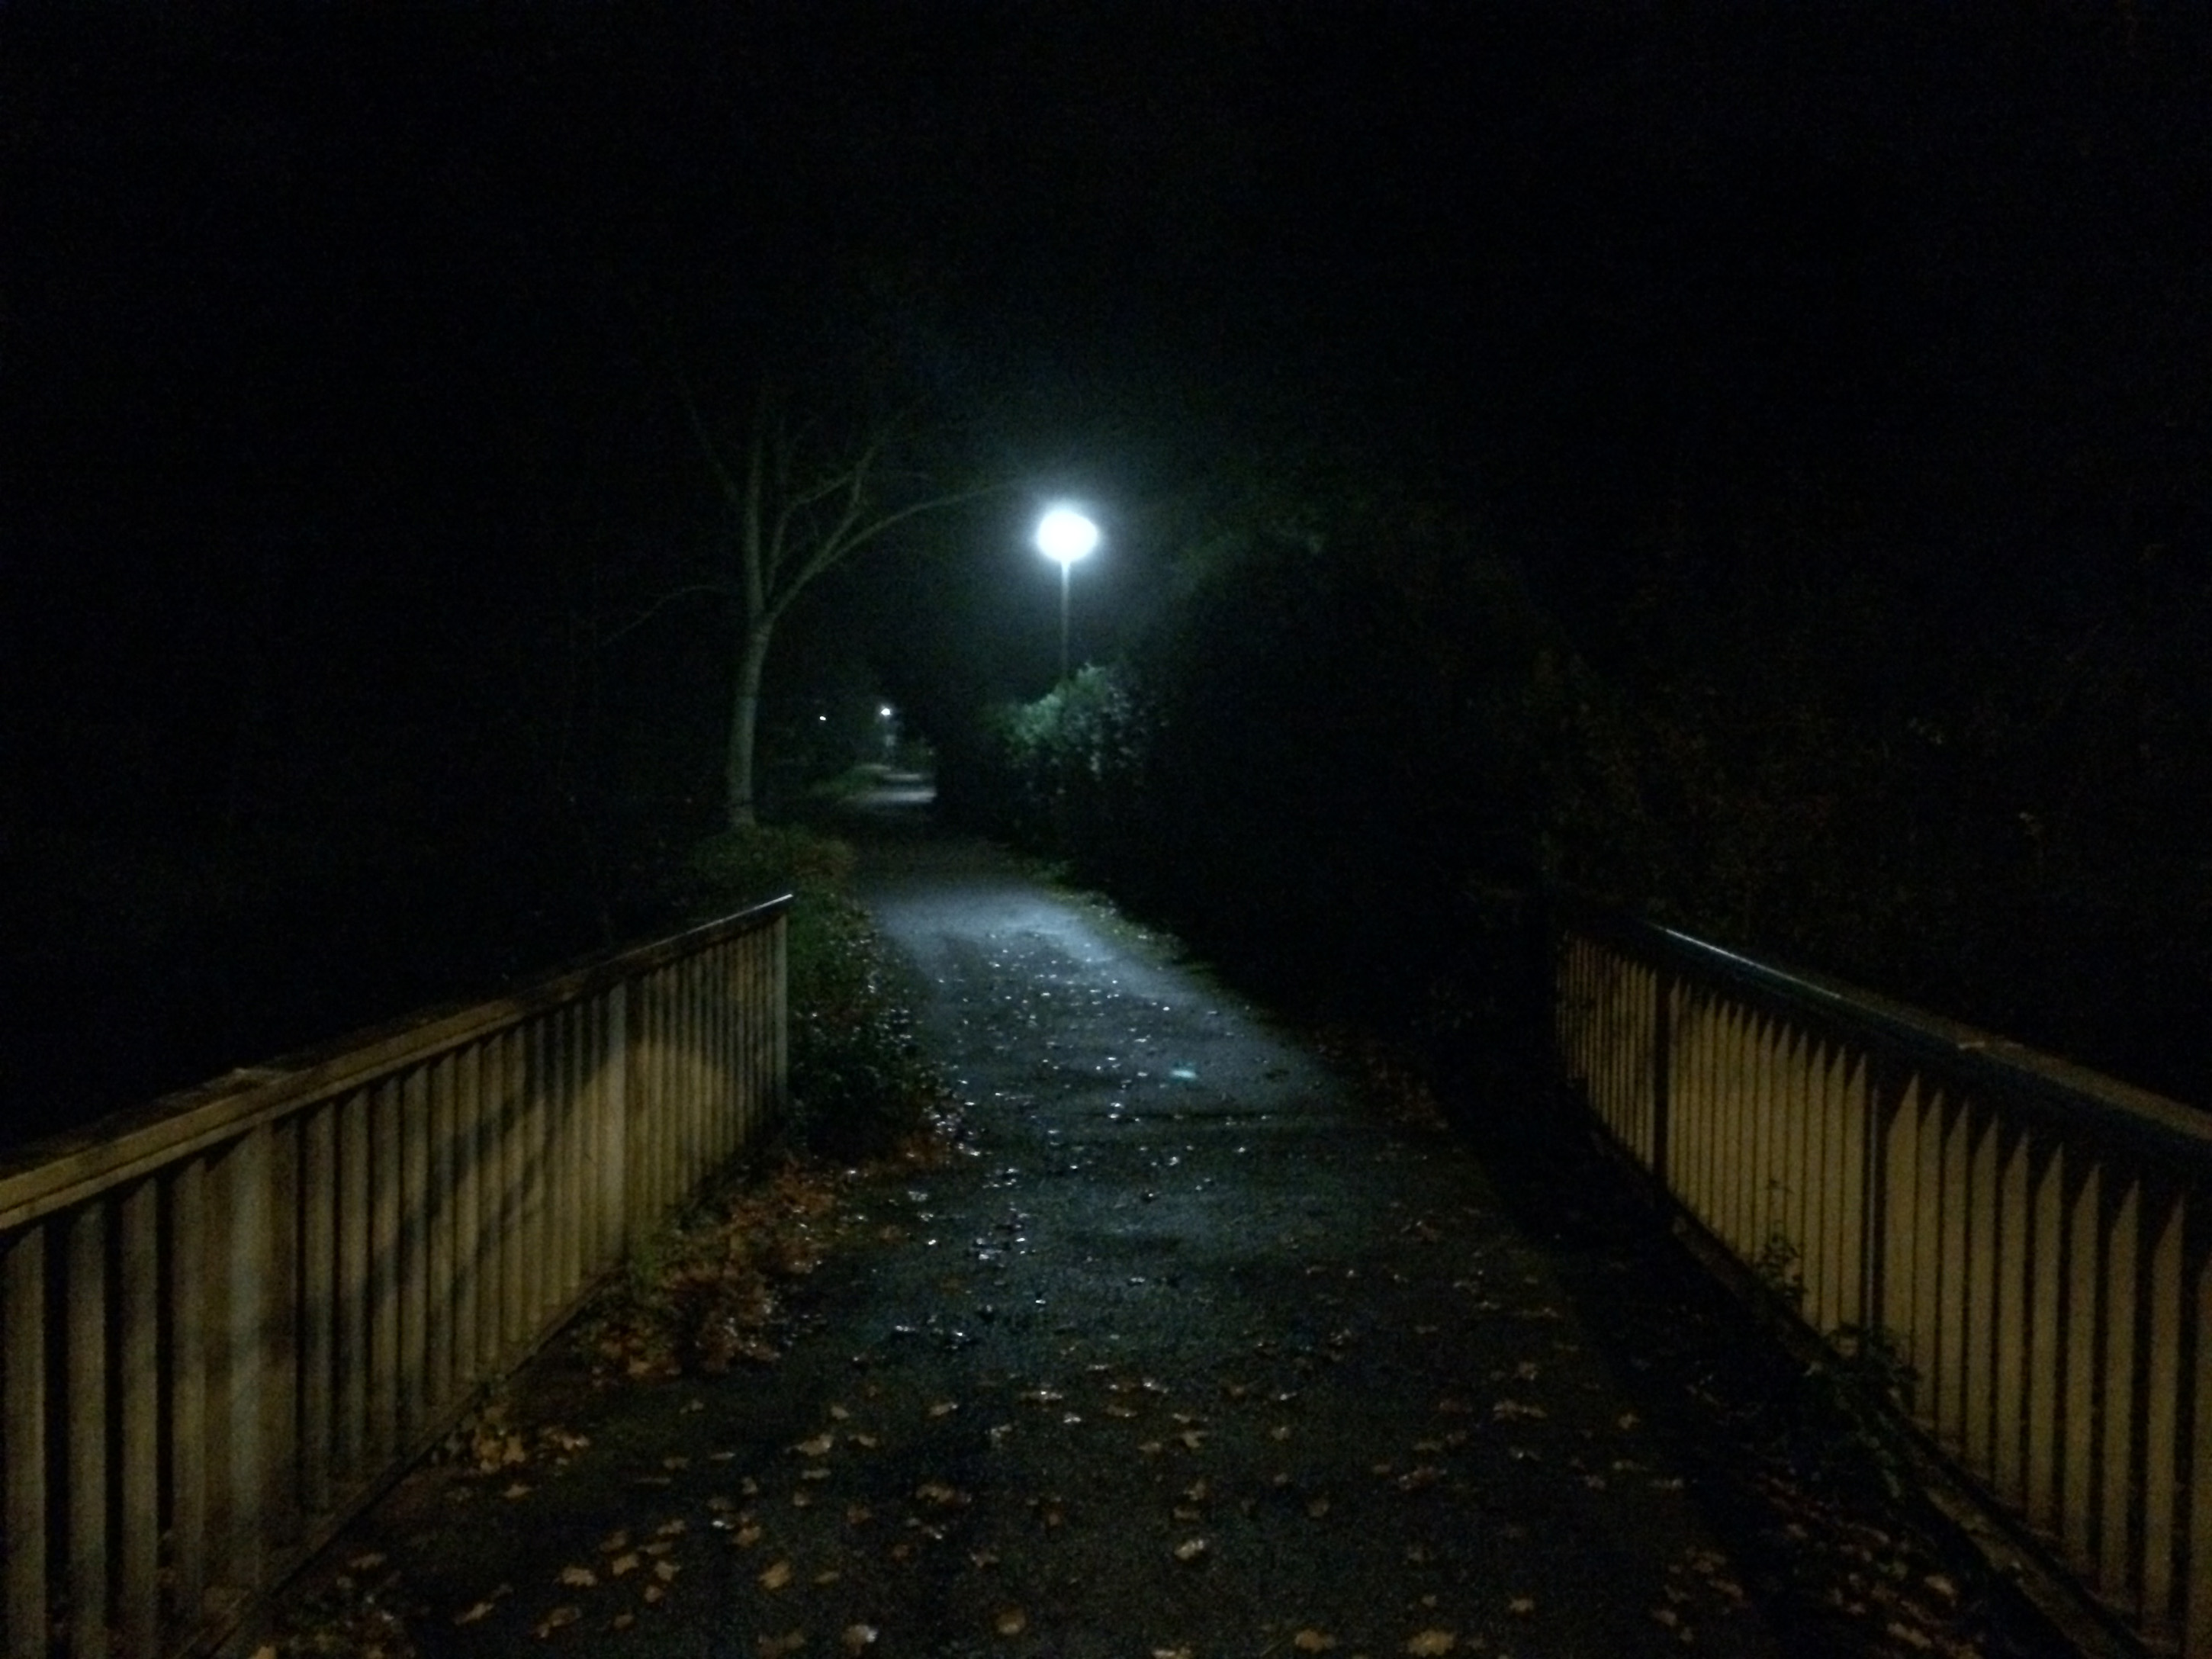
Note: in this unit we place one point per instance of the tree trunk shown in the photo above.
(744, 718)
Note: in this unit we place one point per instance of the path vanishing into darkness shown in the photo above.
(1191, 1352)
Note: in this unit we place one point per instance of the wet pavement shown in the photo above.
(1190, 1351)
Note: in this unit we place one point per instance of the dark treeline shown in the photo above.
(1360, 745)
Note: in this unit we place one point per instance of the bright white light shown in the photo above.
(883, 712)
(1064, 536)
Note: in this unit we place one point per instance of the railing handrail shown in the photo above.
(2043, 1081)
(51, 1173)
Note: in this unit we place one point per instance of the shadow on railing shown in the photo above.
(227, 1319)
(2028, 1241)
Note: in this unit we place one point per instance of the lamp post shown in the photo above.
(1064, 536)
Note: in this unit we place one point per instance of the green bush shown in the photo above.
(859, 1087)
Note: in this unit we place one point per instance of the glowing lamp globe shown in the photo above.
(1064, 536)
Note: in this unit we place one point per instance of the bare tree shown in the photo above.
(801, 504)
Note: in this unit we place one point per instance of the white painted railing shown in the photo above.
(2034, 1240)
(227, 1319)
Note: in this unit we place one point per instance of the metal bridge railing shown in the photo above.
(2033, 1239)
(228, 1318)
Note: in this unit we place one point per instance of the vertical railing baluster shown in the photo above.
(600, 1107)
(514, 1128)
(23, 1485)
(621, 1144)
(1951, 1278)
(189, 1245)
(1854, 1153)
(277, 1428)
(2084, 1325)
(438, 1302)
(469, 1360)
(2158, 1398)
(353, 1287)
(2007, 1470)
(138, 1585)
(2117, 1539)
(414, 1274)
(318, 1306)
(2046, 1276)
(386, 1192)
(530, 1179)
(1981, 1264)
(1928, 1329)
(2196, 1440)
(85, 1495)
(239, 1283)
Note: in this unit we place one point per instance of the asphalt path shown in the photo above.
(1189, 1351)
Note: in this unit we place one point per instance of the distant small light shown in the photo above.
(884, 713)
(824, 718)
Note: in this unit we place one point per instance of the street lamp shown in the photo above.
(1064, 536)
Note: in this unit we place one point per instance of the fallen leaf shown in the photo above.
(653, 1593)
(518, 1490)
(745, 1537)
(859, 1638)
(579, 1577)
(770, 1647)
(368, 1563)
(1012, 1621)
(622, 1621)
(777, 1576)
(665, 1571)
(1431, 1642)
(470, 1615)
(1192, 1549)
(555, 1620)
(1313, 1641)
(944, 1408)
(817, 1446)
(1523, 1605)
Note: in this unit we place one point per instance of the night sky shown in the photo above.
(336, 340)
